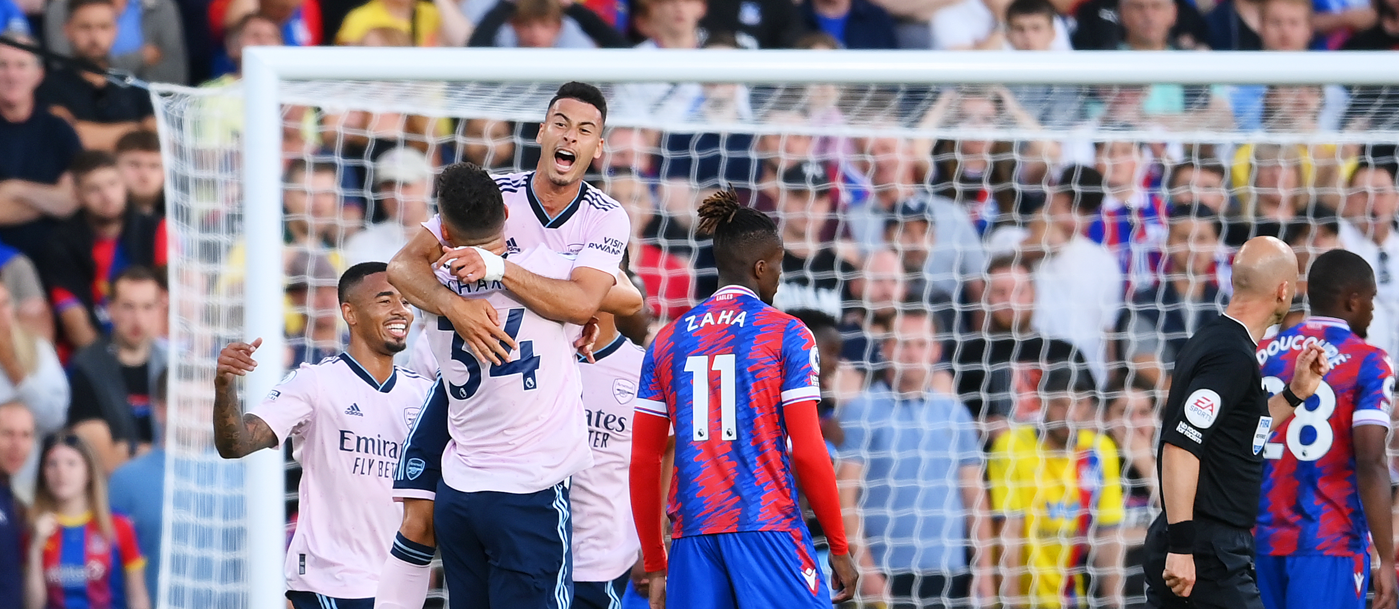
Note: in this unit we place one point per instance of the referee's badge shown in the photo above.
(1202, 408)
(1260, 435)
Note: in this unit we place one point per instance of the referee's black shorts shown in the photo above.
(1224, 573)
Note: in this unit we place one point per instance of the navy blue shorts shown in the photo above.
(601, 595)
(1314, 582)
(420, 465)
(311, 600)
(505, 551)
(757, 569)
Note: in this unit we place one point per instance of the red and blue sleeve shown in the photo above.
(651, 426)
(1374, 390)
(801, 365)
(801, 391)
(127, 548)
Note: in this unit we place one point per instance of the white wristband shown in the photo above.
(495, 265)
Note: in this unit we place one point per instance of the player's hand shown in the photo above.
(639, 579)
(1308, 370)
(477, 323)
(656, 581)
(235, 360)
(464, 263)
(585, 343)
(845, 578)
(1386, 590)
(1180, 574)
(44, 527)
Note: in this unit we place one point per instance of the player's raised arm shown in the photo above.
(237, 434)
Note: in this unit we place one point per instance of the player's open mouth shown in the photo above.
(398, 329)
(564, 159)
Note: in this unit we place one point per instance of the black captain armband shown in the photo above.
(1180, 537)
(1292, 399)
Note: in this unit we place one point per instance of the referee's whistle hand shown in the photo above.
(1180, 574)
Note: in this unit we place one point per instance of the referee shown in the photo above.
(1217, 418)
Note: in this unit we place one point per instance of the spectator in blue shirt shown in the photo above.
(856, 24)
(137, 489)
(12, 20)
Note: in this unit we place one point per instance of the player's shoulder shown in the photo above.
(512, 182)
(413, 379)
(600, 202)
(544, 261)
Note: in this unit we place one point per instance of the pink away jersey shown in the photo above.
(594, 228)
(347, 431)
(604, 537)
(517, 427)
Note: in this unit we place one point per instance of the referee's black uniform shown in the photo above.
(1218, 411)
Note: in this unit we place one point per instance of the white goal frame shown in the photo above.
(265, 67)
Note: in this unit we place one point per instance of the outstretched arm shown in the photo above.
(236, 434)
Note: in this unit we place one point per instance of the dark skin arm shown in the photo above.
(237, 435)
(1373, 476)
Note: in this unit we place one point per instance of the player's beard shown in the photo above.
(393, 348)
(562, 180)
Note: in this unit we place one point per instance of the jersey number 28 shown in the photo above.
(525, 365)
(699, 366)
(1317, 419)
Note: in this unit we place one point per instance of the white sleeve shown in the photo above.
(46, 392)
(606, 241)
(290, 404)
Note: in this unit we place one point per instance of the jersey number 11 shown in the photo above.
(699, 366)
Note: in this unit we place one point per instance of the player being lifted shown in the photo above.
(737, 379)
(1325, 475)
(350, 415)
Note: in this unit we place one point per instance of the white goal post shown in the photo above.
(266, 70)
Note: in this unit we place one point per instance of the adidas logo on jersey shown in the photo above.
(809, 574)
(354, 411)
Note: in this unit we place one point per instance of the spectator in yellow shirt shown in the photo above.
(1057, 485)
(420, 20)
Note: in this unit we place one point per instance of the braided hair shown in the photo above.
(742, 235)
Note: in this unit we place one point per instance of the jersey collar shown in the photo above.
(369, 378)
(736, 290)
(542, 215)
(611, 348)
(1247, 332)
(1320, 320)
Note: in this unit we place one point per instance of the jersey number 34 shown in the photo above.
(526, 365)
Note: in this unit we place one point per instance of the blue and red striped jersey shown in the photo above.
(84, 569)
(1311, 500)
(722, 374)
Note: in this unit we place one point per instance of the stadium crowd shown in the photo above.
(1005, 313)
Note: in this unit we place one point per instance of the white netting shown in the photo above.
(980, 162)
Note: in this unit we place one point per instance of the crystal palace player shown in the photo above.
(350, 415)
(1325, 475)
(737, 379)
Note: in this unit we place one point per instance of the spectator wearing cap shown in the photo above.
(311, 290)
(100, 111)
(814, 276)
(856, 24)
(539, 24)
(994, 368)
(150, 38)
(113, 377)
(1367, 228)
(402, 178)
(1160, 318)
(1079, 283)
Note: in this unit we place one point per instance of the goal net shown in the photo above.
(943, 191)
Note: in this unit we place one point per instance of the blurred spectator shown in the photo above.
(1034, 25)
(629, 150)
(1284, 25)
(150, 38)
(1313, 235)
(32, 375)
(981, 25)
(297, 23)
(113, 377)
(13, 21)
(16, 448)
(311, 288)
(1369, 213)
(912, 491)
(674, 24)
(1100, 26)
(1338, 20)
(1131, 422)
(1132, 221)
(223, 129)
(138, 488)
(417, 18)
(813, 275)
(1161, 317)
(316, 218)
(1299, 110)
(1079, 286)
(1271, 178)
(1375, 107)
(997, 369)
(1056, 484)
(143, 172)
(766, 24)
(489, 143)
(668, 280)
(1146, 26)
(20, 278)
(1234, 24)
(537, 24)
(70, 519)
(1199, 181)
(880, 291)
(100, 111)
(36, 148)
(910, 230)
(402, 179)
(856, 24)
(94, 247)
